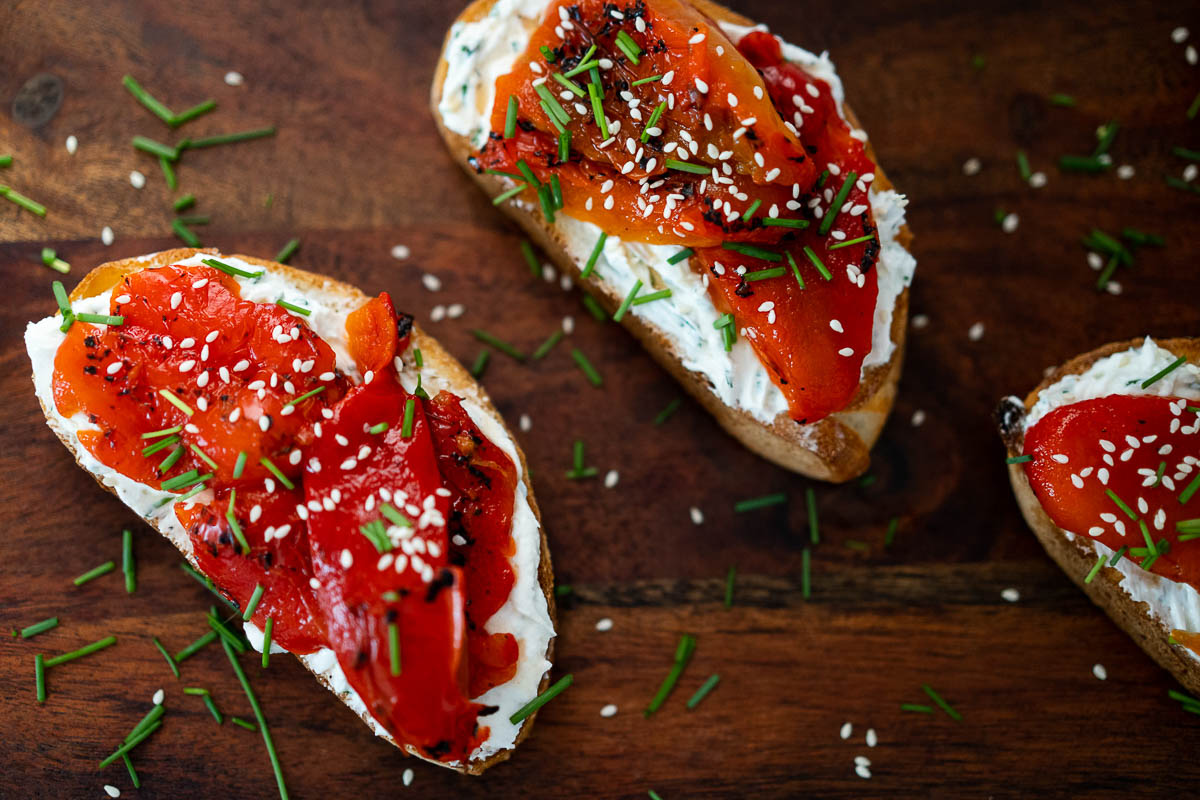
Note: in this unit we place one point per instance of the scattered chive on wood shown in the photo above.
(703, 691)
(87, 650)
(1090, 164)
(1023, 166)
(95, 572)
(920, 709)
(50, 259)
(21, 200)
(890, 535)
(39, 673)
(1062, 100)
(6, 161)
(148, 100)
(814, 531)
(39, 627)
(586, 366)
(127, 563)
(499, 344)
(184, 203)
(198, 110)
(730, 579)
(1104, 137)
(284, 254)
(262, 722)
(147, 145)
(195, 647)
(683, 654)
(480, 363)
(230, 138)
(942, 704)
(184, 233)
(755, 503)
(806, 573)
(545, 347)
(668, 410)
(170, 661)
(594, 308)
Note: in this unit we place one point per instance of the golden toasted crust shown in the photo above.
(436, 360)
(1077, 558)
(836, 448)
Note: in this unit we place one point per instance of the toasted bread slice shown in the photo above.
(1077, 558)
(836, 448)
(439, 365)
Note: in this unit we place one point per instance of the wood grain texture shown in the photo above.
(357, 167)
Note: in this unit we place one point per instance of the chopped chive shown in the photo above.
(95, 572)
(569, 84)
(184, 203)
(1095, 570)
(555, 108)
(39, 627)
(1183, 152)
(148, 100)
(303, 397)
(753, 207)
(181, 481)
(206, 583)
(262, 722)
(1164, 372)
(376, 535)
(1191, 489)
(1140, 238)
(394, 649)
(1176, 183)
(379, 427)
(1105, 138)
(499, 344)
(394, 516)
(598, 109)
(39, 674)
(224, 633)
(274, 470)
(548, 345)
(594, 308)
(530, 258)
(684, 166)
(1117, 556)
(586, 472)
(480, 363)
(661, 294)
(703, 691)
(597, 249)
(194, 648)
(628, 46)
(163, 432)
(890, 535)
(546, 198)
(1018, 459)
(1187, 537)
(653, 794)
(564, 148)
(167, 656)
(229, 269)
(1106, 274)
(548, 54)
(816, 262)
(60, 296)
(1062, 100)
(198, 110)
(161, 444)
(127, 563)
(255, 597)
(764, 274)
(152, 716)
(730, 578)
(131, 743)
(152, 147)
(920, 709)
(814, 532)
(835, 207)
(586, 366)
(212, 706)
(1194, 108)
(628, 301)
(795, 268)
(1090, 164)
(651, 79)
(50, 259)
(654, 118)
(418, 359)
(752, 251)
(683, 654)
(284, 254)
(543, 698)
(231, 138)
(184, 233)
(87, 650)
(1023, 165)
(234, 526)
(806, 573)
(101, 319)
(562, 590)
(203, 456)
(669, 410)
(681, 255)
(266, 646)
(855, 544)
(6, 161)
(1121, 504)
(848, 242)
(21, 200)
(765, 501)
(728, 337)
(942, 704)
(172, 457)
(577, 452)
(170, 397)
(239, 466)
(510, 118)
(507, 195)
(406, 426)
(782, 222)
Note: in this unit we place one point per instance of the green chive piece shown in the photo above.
(394, 516)
(1062, 100)
(942, 704)
(182, 481)
(586, 366)
(816, 262)
(266, 647)
(556, 109)
(669, 410)
(206, 583)
(683, 654)
(1117, 556)
(814, 532)
(628, 301)
(255, 597)
(167, 656)
(662, 294)
(148, 100)
(684, 166)
(274, 470)
(195, 219)
(1090, 164)
(1107, 273)
(283, 255)
(562, 590)
(379, 427)
(1191, 489)
(806, 573)
(224, 633)
(548, 345)
(1183, 152)
(531, 258)
(548, 54)
(6, 161)
(703, 691)
(628, 46)
(50, 259)
(1105, 137)
(239, 466)
(229, 269)
(21, 200)
(161, 444)
(480, 363)
(753, 207)
(543, 698)
(499, 344)
(39, 674)
(164, 432)
(598, 110)
(87, 650)
(212, 708)
(132, 743)
(152, 716)
(184, 233)
(1018, 459)
(510, 118)
(754, 503)
(127, 564)
(172, 457)
(203, 456)
(1139, 238)
(195, 647)
(564, 151)
(192, 113)
(170, 397)
(597, 249)
(152, 147)
(184, 203)
(795, 269)
(513, 192)
(752, 251)
(1095, 570)
(546, 198)
(234, 526)
(890, 535)
(848, 242)
(1164, 372)
(653, 121)
(95, 572)
(1176, 183)
(406, 426)
(781, 222)
(60, 296)
(303, 397)
(101, 319)
(1129, 512)
(730, 578)
(835, 207)
(1023, 165)
(570, 85)
(920, 709)
(594, 308)
(39, 627)
(764, 274)
(577, 451)
(394, 649)
(231, 138)
(653, 794)
(681, 255)
(1194, 108)
(556, 191)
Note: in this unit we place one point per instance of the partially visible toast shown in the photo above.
(437, 362)
(1077, 558)
(836, 448)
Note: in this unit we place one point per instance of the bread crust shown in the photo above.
(1076, 558)
(440, 362)
(836, 448)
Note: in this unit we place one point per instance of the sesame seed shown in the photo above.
(846, 731)
(1179, 35)
(1010, 594)
(407, 777)
(972, 166)
(697, 39)
(437, 313)
(872, 739)
(1100, 672)
(976, 332)
(609, 710)
(106, 235)
(72, 144)
(158, 698)
(234, 78)
(918, 418)
(697, 515)
(1191, 55)
(136, 179)
(604, 624)
(1125, 172)
(862, 771)
(111, 790)
(1037, 180)
(431, 282)
(1189, 172)
(176, 299)
(610, 480)
(846, 351)
(701, 87)
(400, 252)
(1009, 223)
(346, 559)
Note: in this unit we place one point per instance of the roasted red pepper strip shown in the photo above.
(1116, 444)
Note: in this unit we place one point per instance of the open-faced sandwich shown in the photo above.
(706, 182)
(1104, 457)
(330, 469)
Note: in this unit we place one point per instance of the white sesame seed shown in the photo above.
(431, 282)
(697, 515)
(264, 423)
(604, 624)
(72, 144)
(976, 332)
(437, 313)
(862, 771)
(918, 418)
(111, 790)
(610, 479)
(697, 39)
(872, 738)
(176, 299)
(346, 559)
(1125, 172)
(1189, 172)
(1179, 35)
(701, 86)
(407, 777)
(234, 78)
(400, 252)
(1010, 223)
(609, 710)
(1037, 180)
(106, 236)
(456, 310)
(920, 321)
(1010, 594)
(158, 698)
(1100, 672)
(846, 351)
(846, 731)
(1191, 55)
(972, 166)
(136, 179)
(525, 423)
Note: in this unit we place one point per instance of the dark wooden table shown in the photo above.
(357, 167)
